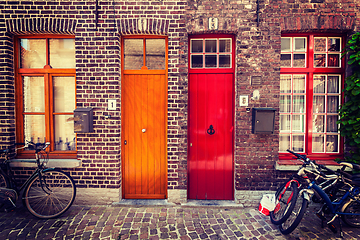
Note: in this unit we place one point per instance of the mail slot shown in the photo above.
(263, 120)
(83, 120)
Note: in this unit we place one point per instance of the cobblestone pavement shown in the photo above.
(150, 222)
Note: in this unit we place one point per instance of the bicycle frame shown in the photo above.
(333, 206)
(38, 171)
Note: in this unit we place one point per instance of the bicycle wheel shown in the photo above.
(295, 216)
(50, 195)
(286, 197)
(3, 181)
(352, 206)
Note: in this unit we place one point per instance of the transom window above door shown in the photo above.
(211, 53)
(145, 53)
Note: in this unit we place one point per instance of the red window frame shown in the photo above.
(47, 73)
(309, 70)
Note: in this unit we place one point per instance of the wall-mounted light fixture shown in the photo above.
(256, 95)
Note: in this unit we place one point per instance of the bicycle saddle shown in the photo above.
(353, 166)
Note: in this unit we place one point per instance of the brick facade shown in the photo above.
(98, 30)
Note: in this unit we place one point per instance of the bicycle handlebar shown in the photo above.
(307, 160)
(38, 146)
(303, 157)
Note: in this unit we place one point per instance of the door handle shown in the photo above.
(143, 130)
(211, 130)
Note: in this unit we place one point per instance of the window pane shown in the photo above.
(286, 44)
(319, 60)
(155, 53)
(33, 94)
(332, 104)
(62, 53)
(196, 61)
(334, 60)
(320, 44)
(285, 83)
(331, 125)
(334, 45)
(298, 123)
(32, 53)
(285, 104)
(284, 143)
(299, 84)
(298, 143)
(224, 61)
(285, 123)
(333, 84)
(318, 123)
(318, 143)
(319, 83)
(299, 60)
(210, 61)
(332, 142)
(225, 45)
(64, 94)
(196, 46)
(300, 45)
(319, 104)
(210, 46)
(285, 60)
(133, 55)
(64, 132)
(298, 104)
(34, 128)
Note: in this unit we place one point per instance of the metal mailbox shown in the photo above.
(83, 120)
(263, 120)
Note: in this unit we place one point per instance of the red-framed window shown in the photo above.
(46, 92)
(311, 81)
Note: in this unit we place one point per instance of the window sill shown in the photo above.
(59, 163)
(294, 165)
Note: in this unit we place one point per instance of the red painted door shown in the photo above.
(211, 136)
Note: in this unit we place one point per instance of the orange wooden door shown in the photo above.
(144, 138)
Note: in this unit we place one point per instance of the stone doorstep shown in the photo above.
(60, 163)
(108, 196)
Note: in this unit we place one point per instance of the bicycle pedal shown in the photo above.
(10, 209)
(332, 227)
(319, 215)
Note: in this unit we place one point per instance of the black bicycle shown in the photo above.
(47, 193)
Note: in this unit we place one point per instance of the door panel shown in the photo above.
(211, 156)
(144, 130)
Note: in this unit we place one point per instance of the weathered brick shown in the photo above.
(98, 71)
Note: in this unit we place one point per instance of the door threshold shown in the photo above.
(212, 203)
(143, 202)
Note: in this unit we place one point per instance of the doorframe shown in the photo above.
(218, 71)
(123, 71)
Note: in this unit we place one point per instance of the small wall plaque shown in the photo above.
(112, 104)
(244, 101)
(142, 23)
(213, 23)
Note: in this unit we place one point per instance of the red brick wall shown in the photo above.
(99, 72)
